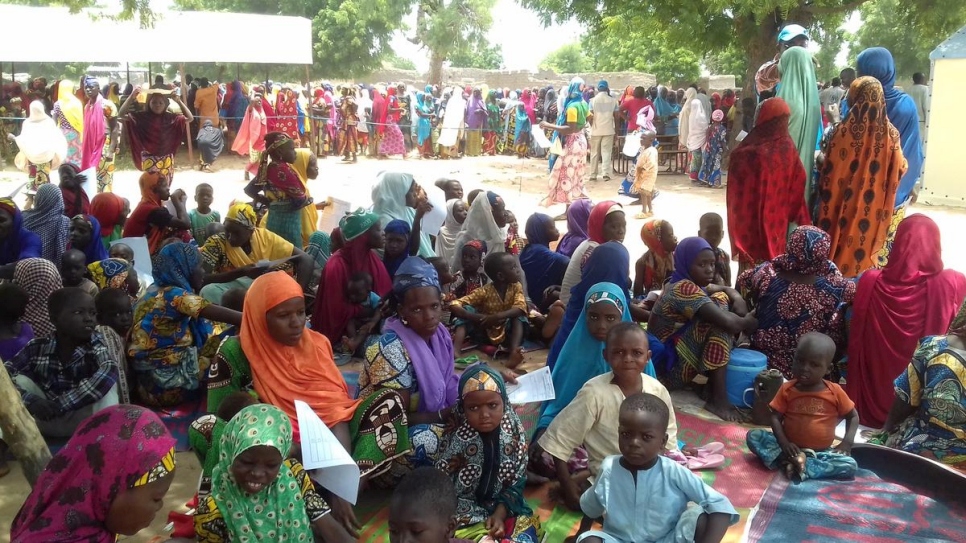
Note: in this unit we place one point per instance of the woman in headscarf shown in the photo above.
(114, 273)
(664, 111)
(319, 250)
(476, 121)
(68, 113)
(76, 200)
(230, 259)
(930, 398)
(713, 152)
(484, 222)
(685, 117)
(800, 91)
(211, 142)
(85, 237)
(306, 165)
(39, 278)
(656, 266)
(279, 186)
(541, 266)
(111, 211)
(425, 111)
(100, 122)
(904, 116)
(414, 357)
(699, 119)
(911, 298)
(280, 504)
(392, 142)
(171, 327)
(697, 321)
(107, 481)
(398, 196)
(362, 234)
(611, 266)
(567, 177)
(446, 239)
(486, 456)
(491, 129)
(286, 111)
(155, 133)
(795, 293)
(250, 139)
(766, 188)
(235, 105)
(48, 221)
(397, 249)
(577, 215)
(606, 223)
(41, 146)
(862, 157)
(509, 115)
(286, 362)
(452, 124)
(151, 219)
(521, 132)
(550, 109)
(16, 241)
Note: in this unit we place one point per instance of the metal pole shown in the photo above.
(150, 76)
(127, 69)
(187, 126)
(308, 100)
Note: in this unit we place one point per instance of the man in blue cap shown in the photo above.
(768, 76)
(603, 124)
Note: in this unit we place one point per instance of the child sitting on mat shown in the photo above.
(423, 508)
(645, 495)
(470, 277)
(804, 415)
(359, 292)
(496, 313)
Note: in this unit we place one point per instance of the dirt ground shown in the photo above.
(522, 183)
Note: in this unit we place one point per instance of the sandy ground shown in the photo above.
(522, 183)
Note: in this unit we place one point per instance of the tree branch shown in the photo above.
(829, 10)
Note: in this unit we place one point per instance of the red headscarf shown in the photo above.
(379, 110)
(766, 187)
(595, 224)
(911, 298)
(108, 209)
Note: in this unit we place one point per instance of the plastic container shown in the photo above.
(745, 364)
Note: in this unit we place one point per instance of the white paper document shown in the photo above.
(328, 462)
(434, 220)
(532, 387)
(741, 136)
(330, 216)
(540, 137)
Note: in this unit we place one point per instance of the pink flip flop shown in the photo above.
(715, 447)
(710, 461)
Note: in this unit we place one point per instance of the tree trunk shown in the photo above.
(20, 431)
(436, 68)
(761, 39)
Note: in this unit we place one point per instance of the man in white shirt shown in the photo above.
(920, 95)
(603, 115)
(830, 99)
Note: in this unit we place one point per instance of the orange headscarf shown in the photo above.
(858, 182)
(283, 374)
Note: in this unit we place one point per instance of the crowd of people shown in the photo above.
(258, 310)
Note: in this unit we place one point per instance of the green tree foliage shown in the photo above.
(728, 61)
(830, 40)
(708, 27)
(618, 47)
(447, 27)
(568, 59)
(910, 30)
(480, 55)
(128, 8)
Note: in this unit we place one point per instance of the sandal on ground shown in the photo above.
(710, 461)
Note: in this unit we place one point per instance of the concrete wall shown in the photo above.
(514, 79)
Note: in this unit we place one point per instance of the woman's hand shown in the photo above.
(423, 207)
(495, 523)
(342, 512)
(509, 376)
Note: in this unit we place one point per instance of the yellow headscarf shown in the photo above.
(309, 215)
(70, 106)
(243, 214)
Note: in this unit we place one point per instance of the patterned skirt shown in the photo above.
(392, 141)
(567, 177)
(380, 432)
(285, 222)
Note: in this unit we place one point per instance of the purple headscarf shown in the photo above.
(684, 255)
(577, 216)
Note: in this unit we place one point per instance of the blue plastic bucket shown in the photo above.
(745, 364)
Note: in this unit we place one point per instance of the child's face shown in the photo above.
(641, 437)
(511, 219)
(256, 468)
(713, 233)
(627, 355)
(396, 245)
(702, 269)
(471, 260)
(357, 292)
(204, 196)
(459, 211)
(647, 140)
(509, 271)
(668, 240)
(410, 523)
(80, 233)
(552, 233)
(122, 251)
(810, 366)
(120, 317)
(72, 268)
(454, 189)
(77, 318)
(601, 317)
(134, 509)
(615, 226)
(484, 410)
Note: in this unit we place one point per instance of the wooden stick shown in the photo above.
(187, 126)
(308, 111)
(20, 431)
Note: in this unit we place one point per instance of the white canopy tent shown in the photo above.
(91, 36)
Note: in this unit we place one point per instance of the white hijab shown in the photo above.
(479, 224)
(446, 239)
(698, 123)
(683, 127)
(40, 141)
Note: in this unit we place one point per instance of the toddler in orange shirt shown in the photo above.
(804, 415)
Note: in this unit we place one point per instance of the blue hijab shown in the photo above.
(522, 124)
(424, 125)
(541, 266)
(573, 96)
(901, 109)
(95, 250)
(20, 243)
(399, 227)
(582, 356)
(609, 263)
(173, 266)
(684, 255)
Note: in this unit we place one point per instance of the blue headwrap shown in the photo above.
(414, 272)
(173, 266)
(95, 251)
(684, 255)
(902, 113)
(402, 228)
(573, 96)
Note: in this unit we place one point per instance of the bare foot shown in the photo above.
(350, 345)
(516, 358)
(727, 413)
